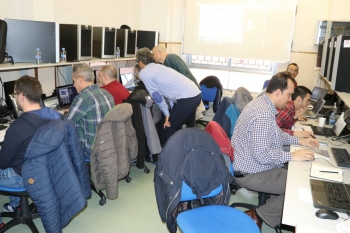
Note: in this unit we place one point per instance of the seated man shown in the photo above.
(89, 107)
(293, 110)
(258, 143)
(173, 61)
(27, 93)
(107, 77)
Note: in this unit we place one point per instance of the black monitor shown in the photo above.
(147, 39)
(126, 77)
(66, 95)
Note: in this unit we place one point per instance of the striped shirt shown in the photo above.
(87, 110)
(257, 140)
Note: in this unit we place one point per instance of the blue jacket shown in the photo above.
(227, 115)
(55, 175)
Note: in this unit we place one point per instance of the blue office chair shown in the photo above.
(208, 95)
(26, 214)
(265, 84)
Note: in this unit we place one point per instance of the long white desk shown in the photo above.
(298, 207)
(345, 97)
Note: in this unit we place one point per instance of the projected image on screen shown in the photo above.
(235, 23)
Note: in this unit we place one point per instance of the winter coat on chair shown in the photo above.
(114, 148)
(55, 175)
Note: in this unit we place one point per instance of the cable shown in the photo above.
(62, 77)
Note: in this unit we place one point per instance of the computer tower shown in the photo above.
(341, 71)
(147, 39)
(126, 41)
(104, 42)
(24, 36)
(325, 56)
(331, 58)
(77, 40)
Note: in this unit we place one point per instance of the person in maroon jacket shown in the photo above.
(107, 78)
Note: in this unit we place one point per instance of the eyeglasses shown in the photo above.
(292, 70)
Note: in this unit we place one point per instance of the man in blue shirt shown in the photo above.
(27, 94)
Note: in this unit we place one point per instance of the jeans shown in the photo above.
(10, 178)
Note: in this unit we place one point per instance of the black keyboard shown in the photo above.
(337, 195)
(341, 156)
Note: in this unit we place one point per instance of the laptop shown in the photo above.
(313, 113)
(127, 77)
(66, 95)
(318, 93)
(330, 195)
(334, 131)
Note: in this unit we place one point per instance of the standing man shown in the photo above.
(258, 143)
(293, 110)
(107, 77)
(27, 94)
(89, 107)
(173, 61)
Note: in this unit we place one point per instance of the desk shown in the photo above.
(345, 97)
(298, 208)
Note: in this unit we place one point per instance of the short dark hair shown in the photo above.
(144, 55)
(292, 64)
(30, 87)
(279, 81)
(301, 91)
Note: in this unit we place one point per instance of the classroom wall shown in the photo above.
(166, 16)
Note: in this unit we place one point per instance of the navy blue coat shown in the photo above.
(55, 175)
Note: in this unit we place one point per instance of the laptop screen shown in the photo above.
(66, 94)
(319, 104)
(127, 77)
(318, 93)
(339, 125)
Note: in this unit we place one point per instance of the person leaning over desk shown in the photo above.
(89, 107)
(27, 94)
(183, 95)
(293, 110)
(258, 143)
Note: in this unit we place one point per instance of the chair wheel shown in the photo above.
(128, 179)
(102, 202)
(146, 170)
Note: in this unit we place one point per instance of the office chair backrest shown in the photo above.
(208, 94)
(265, 84)
(227, 115)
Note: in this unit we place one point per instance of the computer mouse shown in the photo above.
(326, 214)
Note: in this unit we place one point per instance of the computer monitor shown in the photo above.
(66, 95)
(126, 75)
(96, 73)
(24, 36)
(104, 42)
(126, 41)
(147, 39)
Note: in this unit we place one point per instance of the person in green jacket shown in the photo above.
(173, 61)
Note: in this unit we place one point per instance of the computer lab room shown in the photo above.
(193, 116)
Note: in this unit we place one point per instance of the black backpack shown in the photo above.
(3, 34)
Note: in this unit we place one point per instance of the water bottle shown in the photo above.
(117, 53)
(38, 60)
(63, 55)
(332, 118)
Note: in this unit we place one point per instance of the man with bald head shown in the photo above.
(107, 77)
(173, 61)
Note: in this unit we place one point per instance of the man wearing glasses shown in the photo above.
(27, 93)
(293, 69)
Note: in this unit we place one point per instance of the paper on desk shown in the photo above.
(299, 127)
(333, 173)
(318, 153)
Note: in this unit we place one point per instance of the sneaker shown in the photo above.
(9, 208)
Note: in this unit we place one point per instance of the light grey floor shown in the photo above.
(135, 210)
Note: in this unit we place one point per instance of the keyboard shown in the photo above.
(337, 195)
(341, 156)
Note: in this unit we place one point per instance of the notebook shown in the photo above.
(335, 131)
(313, 113)
(326, 172)
(318, 93)
(330, 195)
(66, 95)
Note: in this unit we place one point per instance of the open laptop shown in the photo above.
(127, 77)
(330, 195)
(334, 131)
(313, 113)
(318, 93)
(66, 95)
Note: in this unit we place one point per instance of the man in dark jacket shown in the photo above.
(27, 93)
